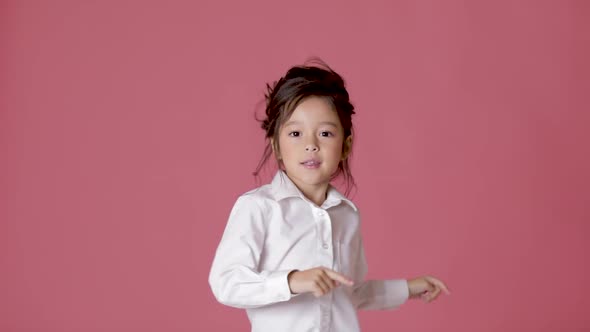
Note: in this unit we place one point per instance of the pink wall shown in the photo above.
(127, 131)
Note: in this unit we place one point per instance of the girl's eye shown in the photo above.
(294, 134)
(326, 134)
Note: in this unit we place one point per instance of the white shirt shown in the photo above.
(274, 230)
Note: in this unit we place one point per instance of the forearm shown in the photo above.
(241, 287)
(380, 294)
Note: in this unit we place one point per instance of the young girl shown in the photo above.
(292, 252)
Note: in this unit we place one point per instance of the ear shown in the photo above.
(346, 147)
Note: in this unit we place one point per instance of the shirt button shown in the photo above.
(321, 213)
(325, 246)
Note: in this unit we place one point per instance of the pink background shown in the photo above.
(127, 131)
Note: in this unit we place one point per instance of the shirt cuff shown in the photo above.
(397, 292)
(278, 281)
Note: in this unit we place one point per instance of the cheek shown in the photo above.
(335, 149)
(286, 149)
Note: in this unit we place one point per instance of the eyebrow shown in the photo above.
(329, 123)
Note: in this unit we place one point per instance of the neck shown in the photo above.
(315, 193)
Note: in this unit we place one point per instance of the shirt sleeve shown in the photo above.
(376, 294)
(234, 277)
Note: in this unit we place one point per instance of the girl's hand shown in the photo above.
(319, 281)
(427, 288)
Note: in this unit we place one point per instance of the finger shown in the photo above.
(333, 283)
(320, 288)
(339, 277)
(434, 294)
(431, 287)
(428, 297)
(323, 285)
(330, 282)
(439, 284)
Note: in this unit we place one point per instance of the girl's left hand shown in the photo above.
(427, 288)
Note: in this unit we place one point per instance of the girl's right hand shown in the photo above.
(319, 281)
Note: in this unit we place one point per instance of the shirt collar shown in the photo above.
(283, 187)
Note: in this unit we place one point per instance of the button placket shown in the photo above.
(326, 257)
(324, 222)
(325, 309)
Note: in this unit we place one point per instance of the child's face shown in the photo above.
(310, 143)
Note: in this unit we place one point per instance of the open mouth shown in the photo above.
(312, 163)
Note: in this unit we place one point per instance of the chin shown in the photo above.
(310, 177)
(314, 179)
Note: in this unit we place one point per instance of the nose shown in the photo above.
(311, 148)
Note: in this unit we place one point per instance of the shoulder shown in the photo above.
(261, 193)
(260, 199)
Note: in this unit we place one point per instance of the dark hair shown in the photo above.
(314, 78)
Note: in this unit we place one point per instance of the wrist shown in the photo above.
(289, 276)
(411, 288)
